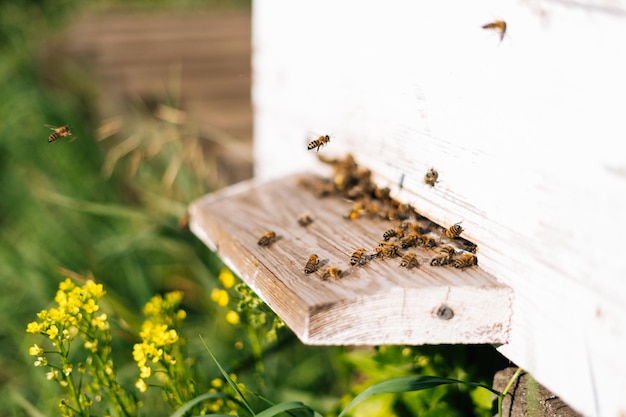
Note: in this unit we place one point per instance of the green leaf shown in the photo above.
(232, 383)
(408, 384)
(200, 398)
(285, 407)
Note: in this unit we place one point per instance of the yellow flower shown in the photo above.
(35, 350)
(141, 385)
(90, 306)
(53, 332)
(94, 290)
(232, 317)
(220, 297)
(34, 328)
(226, 277)
(66, 285)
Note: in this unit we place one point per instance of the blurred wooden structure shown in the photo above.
(200, 59)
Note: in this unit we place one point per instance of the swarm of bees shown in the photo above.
(355, 183)
(59, 133)
(498, 25)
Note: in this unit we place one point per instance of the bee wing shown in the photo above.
(52, 127)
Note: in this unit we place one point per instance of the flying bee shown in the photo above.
(332, 272)
(387, 249)
(454, 231)
(431, 177)
(319, 142)
(498, 25)
(409, 240)
(464, 261)
(392, 233)
(267, 238)
(305, 219)
(60, 132)
(358, 257)
(409, 260)
(311, 264)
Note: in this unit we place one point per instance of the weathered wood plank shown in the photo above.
(376, 303)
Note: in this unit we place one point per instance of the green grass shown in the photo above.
(59, 210)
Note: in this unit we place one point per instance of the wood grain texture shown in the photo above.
(525, 133)
(372, 304)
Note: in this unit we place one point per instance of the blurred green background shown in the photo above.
(59, 208)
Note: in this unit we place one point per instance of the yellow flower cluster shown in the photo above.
(77, 313)
(74, 305)
(159, 338)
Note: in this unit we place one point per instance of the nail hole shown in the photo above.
(444, 312)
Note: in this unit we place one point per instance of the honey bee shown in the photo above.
(319, 142)
(60, 132)
(267, 238)
(454, 231)
(382, 193)
(431, 177)
(357, 210)
(332, 272)
(447, 250)
(386, 249)
(498, 25)
(409, 240)
(426, 241)
(311, 264)
(305, 219)
(392, 233)
(447, 253)
(358, 257)
(409, 260)
(440, 260)
(464, 261)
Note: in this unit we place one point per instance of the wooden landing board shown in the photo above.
(373, 304)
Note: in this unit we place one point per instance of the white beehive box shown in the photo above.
(527, 135)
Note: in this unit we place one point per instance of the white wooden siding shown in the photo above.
(527, 135)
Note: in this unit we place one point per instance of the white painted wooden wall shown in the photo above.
(528, 136)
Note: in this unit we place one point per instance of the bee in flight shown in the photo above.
(499, 25)
(267, 238)
(319, 142)
(311, 264)
(60, 132)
